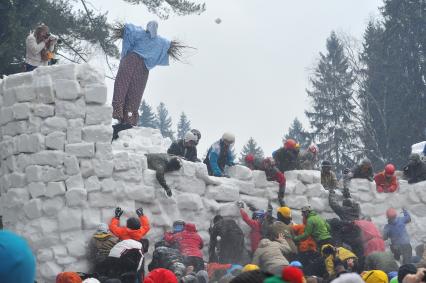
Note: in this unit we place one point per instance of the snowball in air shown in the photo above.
(218, 21)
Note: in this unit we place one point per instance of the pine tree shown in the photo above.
(333, 110)
(183, 126)
(298, 133)
(251, 147)
(147, 117)
(164, 122)
(163, 8)
(394, 93)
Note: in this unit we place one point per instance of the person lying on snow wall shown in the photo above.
(163, 163)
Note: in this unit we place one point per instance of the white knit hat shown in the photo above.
(229, 137)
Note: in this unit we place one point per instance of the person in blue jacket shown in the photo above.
(396, 231)
(219, 155)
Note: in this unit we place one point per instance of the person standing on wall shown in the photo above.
(142, 50)
(39, 47)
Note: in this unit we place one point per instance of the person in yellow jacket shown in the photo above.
(331, 254)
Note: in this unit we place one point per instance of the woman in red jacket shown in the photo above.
(190, 245)
(386, 181)
(255, 224)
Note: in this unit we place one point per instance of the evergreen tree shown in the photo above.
(163, 8)
(298, 133)
(394, 94)
(251, 147)
(164, 122)
(183, 126)
(73, 27)
(333, 110)
(147, 117)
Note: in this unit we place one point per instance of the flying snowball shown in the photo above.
(218, 21)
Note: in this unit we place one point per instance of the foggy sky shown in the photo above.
(249, 73)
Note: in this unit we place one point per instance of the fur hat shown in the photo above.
(406, 269)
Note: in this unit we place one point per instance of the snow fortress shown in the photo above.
(60, 176)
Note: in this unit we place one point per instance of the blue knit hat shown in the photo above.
(17, 260)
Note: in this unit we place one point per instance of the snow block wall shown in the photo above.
(60, 176)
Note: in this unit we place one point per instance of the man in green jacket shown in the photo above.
(316, 227)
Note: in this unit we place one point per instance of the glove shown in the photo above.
(118, 212)
(346, 171)
(169, 192)
(240, 204)
(139, 211)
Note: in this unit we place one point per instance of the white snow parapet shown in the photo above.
(60, 176)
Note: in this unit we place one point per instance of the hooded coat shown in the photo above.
(188, 241)
(316, 227)
(188, 152)
(371, 237)
(359, 173)
(341, 254)
(124, 233)
(269, 256)
(165, 257)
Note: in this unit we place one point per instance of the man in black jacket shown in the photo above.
(185, 147)
(163, 163)
(362, 171)
(231, 245)
(415, 171)
(168, 258)
(346, 229)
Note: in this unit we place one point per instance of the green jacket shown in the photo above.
(316, 227)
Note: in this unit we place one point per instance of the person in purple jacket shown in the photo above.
(396, 231)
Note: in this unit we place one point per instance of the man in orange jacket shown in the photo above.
(136, 228)
(386, 181)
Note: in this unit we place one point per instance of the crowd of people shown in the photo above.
(349, 248)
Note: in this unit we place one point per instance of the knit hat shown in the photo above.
(133, 223)
(102, 228)
(91, 280)
(273, 279)
(292, 274)
(406, 269)
(296, 263)
(284, 211)
(250, 267)
(68, 277)
(375, 276)
(17, 263)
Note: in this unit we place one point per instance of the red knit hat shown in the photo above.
(292, 274)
